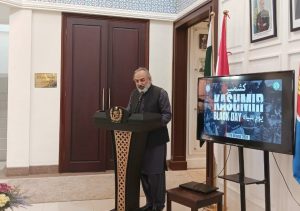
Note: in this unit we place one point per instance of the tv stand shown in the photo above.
(243, 181)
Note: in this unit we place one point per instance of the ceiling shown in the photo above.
(4, 14)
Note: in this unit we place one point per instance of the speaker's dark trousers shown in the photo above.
(153, 176)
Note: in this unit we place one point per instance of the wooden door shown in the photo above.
(84, 64)
(95, 74)
(126, 49)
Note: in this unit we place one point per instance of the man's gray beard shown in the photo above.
(145, 88)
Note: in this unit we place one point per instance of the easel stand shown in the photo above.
(243, 181)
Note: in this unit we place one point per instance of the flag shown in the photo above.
(223, 69)
(222, 63)
(208, 55)
(296, 161)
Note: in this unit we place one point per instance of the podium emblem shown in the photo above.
(116, 114)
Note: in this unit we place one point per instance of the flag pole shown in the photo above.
(225, 12)
(210, 146)
(212, 22)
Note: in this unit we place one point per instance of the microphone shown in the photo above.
(139, 102)
(141, 95)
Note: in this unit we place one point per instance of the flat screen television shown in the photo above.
(250, 110)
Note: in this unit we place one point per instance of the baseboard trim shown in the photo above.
(53, 169)
(177, 165)
(17, 171)
(23, 171)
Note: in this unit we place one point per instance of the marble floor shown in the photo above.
(84, 192)
(90, 205)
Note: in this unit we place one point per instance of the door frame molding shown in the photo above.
(179, 78)
(65, 80)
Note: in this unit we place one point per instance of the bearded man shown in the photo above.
(149, 98)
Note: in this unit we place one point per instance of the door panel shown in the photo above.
(125, 47)
(126, 53)
(86, 74)
(82, 144)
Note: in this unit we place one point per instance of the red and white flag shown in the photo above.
(222, 63)
(296, 161)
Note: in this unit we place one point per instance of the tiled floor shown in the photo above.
(93, 205)
(68, 191)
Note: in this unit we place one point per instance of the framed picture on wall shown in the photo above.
(295, 14)
(203, 41)
(262, 20)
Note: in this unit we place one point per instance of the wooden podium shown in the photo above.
(129, 135)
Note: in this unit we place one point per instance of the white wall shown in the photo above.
(4, 49)
(160, 58)
(19, 82)
(35, 47)
(33, 114)
(279, 53)
(45, 102)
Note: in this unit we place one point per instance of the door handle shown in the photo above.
(108, 97)
(103, 99)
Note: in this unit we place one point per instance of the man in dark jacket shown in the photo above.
(149, 98)
(263, 18)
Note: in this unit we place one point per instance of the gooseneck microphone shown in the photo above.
(141, 95)
(137, 108)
